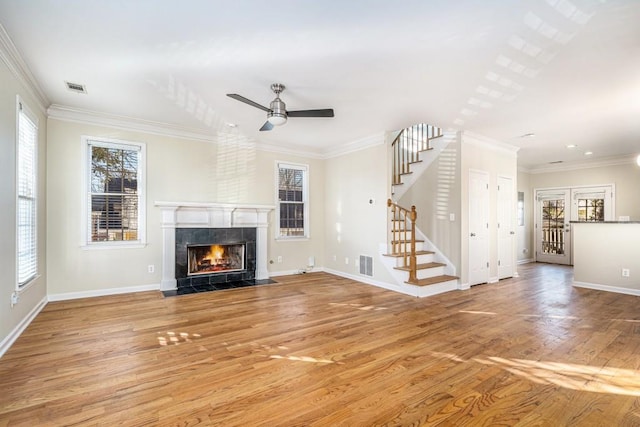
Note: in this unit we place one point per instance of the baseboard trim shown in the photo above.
(19, 329)
(102, 292)
(525, 261)
(607, 288)
(367, 281)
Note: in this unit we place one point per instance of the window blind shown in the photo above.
(26, 210)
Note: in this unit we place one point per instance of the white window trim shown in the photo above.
(21, 105)
(305, 200)
(85, 242)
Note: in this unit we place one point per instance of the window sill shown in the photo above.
(113, 245)
(292, 239)
(21, 288)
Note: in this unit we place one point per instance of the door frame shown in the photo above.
(512, 231)
(487, 213)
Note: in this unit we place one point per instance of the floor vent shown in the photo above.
(366, 265)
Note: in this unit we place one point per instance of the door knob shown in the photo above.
(512, 232)
(473, 234)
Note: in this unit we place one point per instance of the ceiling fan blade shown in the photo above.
(266, 126)
(247, 101)
(311, 113)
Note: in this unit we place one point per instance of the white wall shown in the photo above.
(355, 227)
(498, 160)
(524, 232)
(601, 268)
(13, 318)
(436, 196)
(232, 170)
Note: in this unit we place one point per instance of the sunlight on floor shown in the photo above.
(573, 376)
(358, 306)
(176, 338)
(304, 359)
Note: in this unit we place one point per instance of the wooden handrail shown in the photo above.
(407, 146)
(401, 234)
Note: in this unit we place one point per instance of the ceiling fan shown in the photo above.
(277, 113)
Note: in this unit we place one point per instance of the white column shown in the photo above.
(168, 282)
(261, 244)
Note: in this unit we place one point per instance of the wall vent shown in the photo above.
(366, 265)
(76, 87)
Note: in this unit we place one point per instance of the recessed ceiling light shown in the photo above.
(232, 125)
(572, 146)
(588, 153)
(556, 162)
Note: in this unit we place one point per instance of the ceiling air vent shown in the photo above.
(556, 162)
(76, 87)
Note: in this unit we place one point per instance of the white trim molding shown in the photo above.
(6, 343)
(16, 65)
(102, 292)
(607, 288)
(488, 143)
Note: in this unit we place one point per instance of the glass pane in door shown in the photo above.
(553, 212)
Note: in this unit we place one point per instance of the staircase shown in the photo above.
(410, 252)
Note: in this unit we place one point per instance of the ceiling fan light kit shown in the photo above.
(277, 113)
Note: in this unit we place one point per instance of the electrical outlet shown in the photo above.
(279, 259)
(335, 258)
(625, 272)
(346, 260)
(14, 299)
(151, 268)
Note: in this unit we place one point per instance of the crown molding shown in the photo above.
(16, 65)
(357, 145)
(489, 143)
(588, 164)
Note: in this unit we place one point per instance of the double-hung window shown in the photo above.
(27, 181)
(293, 207)
(115, 192)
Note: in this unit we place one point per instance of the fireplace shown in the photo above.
(212, 256)
(195, 224)
(213, 259)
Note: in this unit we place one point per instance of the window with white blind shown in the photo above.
(27, 181)
(115, 188)
(292, 213)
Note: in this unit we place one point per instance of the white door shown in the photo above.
(506, 228)
(478, 227)
(553, 234)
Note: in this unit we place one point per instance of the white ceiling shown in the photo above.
(568, 71)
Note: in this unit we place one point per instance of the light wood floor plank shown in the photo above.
(321, 350)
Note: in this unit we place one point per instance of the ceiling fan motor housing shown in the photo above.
(278, 114)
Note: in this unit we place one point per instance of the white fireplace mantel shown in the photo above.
(210, 215)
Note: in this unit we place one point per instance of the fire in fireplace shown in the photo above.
(211, 259)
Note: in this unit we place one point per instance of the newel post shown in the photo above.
(412, 256)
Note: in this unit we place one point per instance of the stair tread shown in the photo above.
(434, 280)
(423, 266)
(401, 254)
(406, 241)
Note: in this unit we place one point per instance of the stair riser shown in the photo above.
(420, 259)
(429, 272)
(406, 247)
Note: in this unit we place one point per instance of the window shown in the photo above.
(115, 213)
(293, 206)
(591, 209)
(27, 171)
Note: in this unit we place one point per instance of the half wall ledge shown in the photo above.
(210, 215)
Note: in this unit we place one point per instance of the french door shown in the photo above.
(553, 238)
(556, 207)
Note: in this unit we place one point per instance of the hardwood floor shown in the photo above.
(321, 350)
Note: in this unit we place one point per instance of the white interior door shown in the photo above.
(553, 237)
(506, 228)
(478, 227)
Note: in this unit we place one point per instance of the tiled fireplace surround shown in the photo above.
(193, 223)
